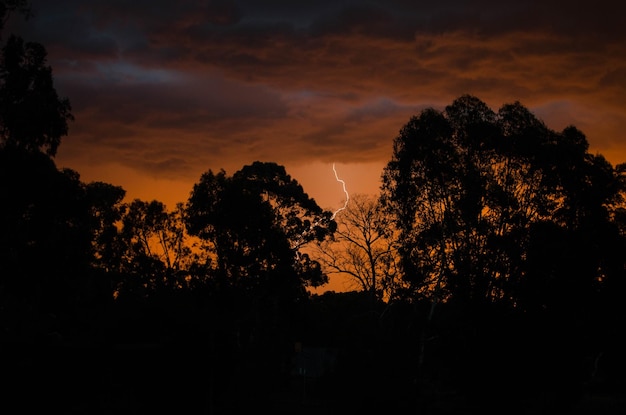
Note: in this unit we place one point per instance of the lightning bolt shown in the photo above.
(343, 184)
(345, 205)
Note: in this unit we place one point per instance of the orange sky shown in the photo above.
(163, 91)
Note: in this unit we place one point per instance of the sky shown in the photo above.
(162, 91)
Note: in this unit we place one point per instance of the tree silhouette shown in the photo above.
(32, 116)
(361, 249)
(46, 225)
(507, 224)
(469, 188)
(254, 223)
(155, 252)
(257, 220)
(46, 245)
(106, 211)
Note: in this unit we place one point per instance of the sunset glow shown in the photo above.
(162, 92)
(313, 207)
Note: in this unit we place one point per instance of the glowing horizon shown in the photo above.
(160, 95)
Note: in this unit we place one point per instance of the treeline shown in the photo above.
(490, 269)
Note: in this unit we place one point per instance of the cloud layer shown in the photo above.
(162, 91)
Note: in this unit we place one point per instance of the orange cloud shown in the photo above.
(165, 93)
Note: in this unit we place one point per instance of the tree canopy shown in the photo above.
(257, 220)
(32, 116)
(488, 204)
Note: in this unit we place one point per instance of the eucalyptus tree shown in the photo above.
(516, 228)
(106, 209)
(46, 239)
(254, 226)
(256, 221)
(32, 115)
(362, 248)
(471, 191)
(52, 230)
(154, 250)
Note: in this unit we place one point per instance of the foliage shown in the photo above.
(157, 252)
(48, 230)
(474, 193)
(32, 116)
(362, 249)
(257, 220)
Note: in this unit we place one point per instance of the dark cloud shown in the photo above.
(366, 20)
(168, 88)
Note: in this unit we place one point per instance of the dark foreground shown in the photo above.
(153, 378)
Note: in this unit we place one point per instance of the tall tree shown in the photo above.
(468, 188)
(362, 249)
(255, 223)
(105, 201)
(32, 116)
(510, 224)
(155, 249)
(257, 220)
(46, 237)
